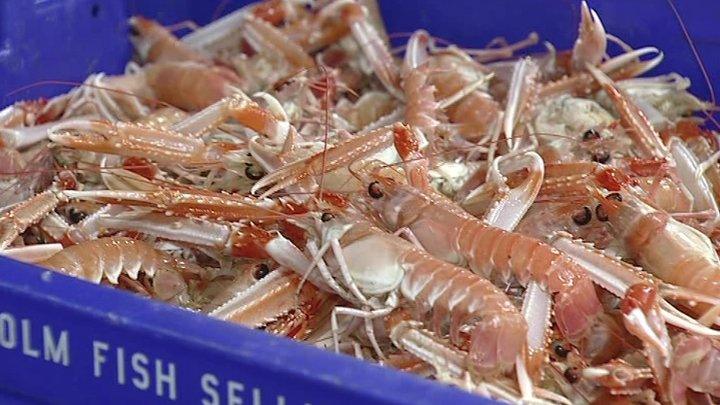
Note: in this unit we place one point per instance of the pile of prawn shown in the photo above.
(526, 226)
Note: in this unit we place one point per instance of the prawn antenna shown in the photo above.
(81, 84)
(698, 58)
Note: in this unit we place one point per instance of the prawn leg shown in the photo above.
(181, 203)
(632, 118)
(591, 43)
(240, 108)
(278, 302)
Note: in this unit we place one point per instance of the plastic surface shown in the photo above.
(69, 39)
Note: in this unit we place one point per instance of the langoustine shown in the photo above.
(344, 142)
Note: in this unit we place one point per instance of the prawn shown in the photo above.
(674, 252)
(154, 43)
(108, 258)
(482, 319)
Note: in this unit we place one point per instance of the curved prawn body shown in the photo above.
(495, 341)
(24, 214)
(469, 215)
(154, 43)
(178, 74)
(476, 112)
(480, 317)
(266, 36)
(372, 45)
(421, 108)
(190, 86)
(108, 258)
(449, 233)
(457, 83)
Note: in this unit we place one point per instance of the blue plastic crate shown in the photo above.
(62, 340)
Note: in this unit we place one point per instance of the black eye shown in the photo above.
(32, 237)
(133, 31)
(614, 196)
(75, 216)
(600, 213)
(560, 350)
(590, 135)
(571, 375)
(375, 190)
(600, 156)
(583, 216)
(326, 216)
(261, 271)
(254, 173)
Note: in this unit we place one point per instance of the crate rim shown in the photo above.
(106, 304)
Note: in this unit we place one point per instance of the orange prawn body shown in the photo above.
(481, 318)
(477, 112)
(449, 233)
(672, 251)
(190, 86)
(155, 43)
(110, 257)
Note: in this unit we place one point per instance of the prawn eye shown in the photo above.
(261, 271)
(560, 350)
(326, 216)
(571, 375)
(590, 135)
(601, 214)
(583, 216)
(75, 216)
(600, 156)
(614, 196)
(133, 31)
(375, 190)
(254, 173)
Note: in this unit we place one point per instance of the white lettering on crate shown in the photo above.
(141, 371)
(55, 348)
(234, 391)
(57, 351)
